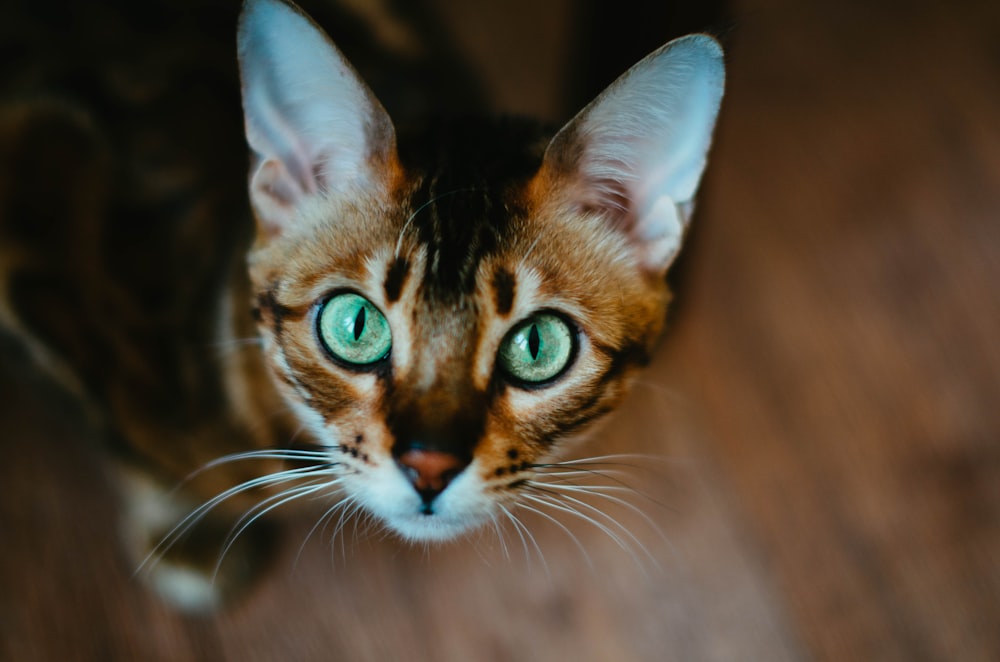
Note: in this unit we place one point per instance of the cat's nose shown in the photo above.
(430, 471)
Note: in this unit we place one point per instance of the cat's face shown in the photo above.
(443, 310)
(489, 347)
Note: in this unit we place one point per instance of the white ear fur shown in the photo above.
(637, 152)
(311, 122)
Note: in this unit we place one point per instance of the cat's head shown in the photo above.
(443, 309)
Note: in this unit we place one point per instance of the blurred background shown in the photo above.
(826, 402)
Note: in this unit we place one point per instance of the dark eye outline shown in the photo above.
(574, 349)
(379, 365)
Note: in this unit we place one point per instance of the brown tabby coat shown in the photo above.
(124, 224)
(122, 270)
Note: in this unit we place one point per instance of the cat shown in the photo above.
(422, 319)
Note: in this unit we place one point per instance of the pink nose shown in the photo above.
(430, 471)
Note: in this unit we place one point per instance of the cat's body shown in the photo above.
(437, 309)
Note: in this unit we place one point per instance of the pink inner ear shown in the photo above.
(312, 124)
(609, 199)
(300, 168)
(274, 180)
(273, 194)
(318, 179)
(636, 154)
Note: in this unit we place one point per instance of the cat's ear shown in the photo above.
(637, 152)
(313, 125)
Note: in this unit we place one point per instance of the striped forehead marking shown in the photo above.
(504, 289)
(395, 278)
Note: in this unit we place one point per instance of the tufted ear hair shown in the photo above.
(312, 124)
(637, 152)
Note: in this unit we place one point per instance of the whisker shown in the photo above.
(361, 520)
(291, 455)
(345, 510)
(560, 475)
(517, 529)
(616, 477)
(321, 523)
(628, 505)
(559, 482)
(566, 530)
(351, 506)
(266, 454)
(524, 533)
(557, 505)
(196, 515)
(251, 512)
(614, 459)
(606, 492)
(261, 509)
(563, 502)
(498, 532)
(565, 474)
(406, 225)
(526, 253)
(597, 490)
(632, 464)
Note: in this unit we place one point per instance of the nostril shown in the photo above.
(430, 471)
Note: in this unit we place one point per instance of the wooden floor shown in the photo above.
(827, 405)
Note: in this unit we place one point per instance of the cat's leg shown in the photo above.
(195, 558)
(73, 318)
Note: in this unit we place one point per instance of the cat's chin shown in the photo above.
(430, 528)
(461, 508)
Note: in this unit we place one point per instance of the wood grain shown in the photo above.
(827, 407)
(844, 321)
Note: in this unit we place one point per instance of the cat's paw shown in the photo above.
(201, 570)
(194, 576)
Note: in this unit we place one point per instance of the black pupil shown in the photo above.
(534, 342)
(359, 323)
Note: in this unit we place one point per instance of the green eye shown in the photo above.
(354, 330)
(537, 349)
